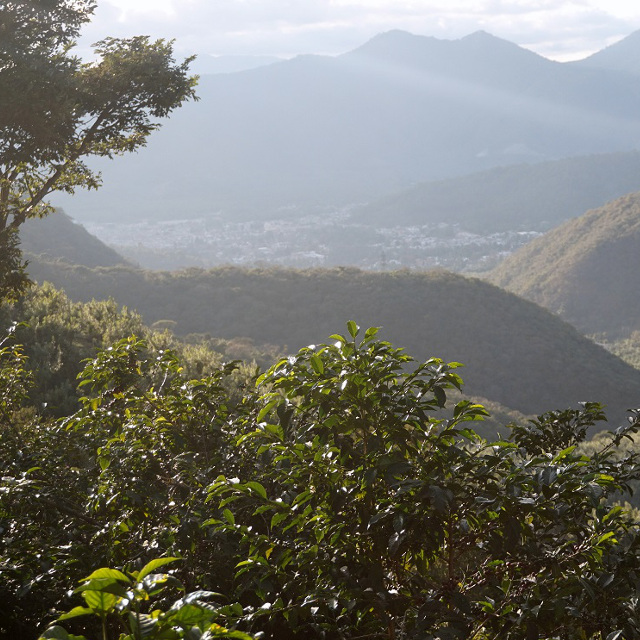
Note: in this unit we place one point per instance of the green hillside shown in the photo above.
(586, 270)
(525, 196)
(515, 352)
(58, 237)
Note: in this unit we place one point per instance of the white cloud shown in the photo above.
(562, 29)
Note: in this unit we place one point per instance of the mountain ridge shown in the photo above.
(535, 196)
(623, 56)
(514, 352)
(327, 131)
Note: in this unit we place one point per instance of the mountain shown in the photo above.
(525, 196)
(58, 237)
(585, 270)
(622, 56)
(514, 352)
(401, 109)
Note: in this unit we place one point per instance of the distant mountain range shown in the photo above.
(622, 56)
(585, 270)
(399, 110)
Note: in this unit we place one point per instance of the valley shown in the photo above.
(321, 240)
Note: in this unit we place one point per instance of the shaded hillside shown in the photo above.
(57, 237)
(335, 130)
(515, 352)
(586, 270)
(527, 196)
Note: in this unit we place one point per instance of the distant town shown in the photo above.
(319, 240)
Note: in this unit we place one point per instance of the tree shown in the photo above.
(56, 111)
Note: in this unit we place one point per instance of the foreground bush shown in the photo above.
(344, 494)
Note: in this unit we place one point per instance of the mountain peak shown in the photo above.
(477, 48)
(394, 41)
(481, 36)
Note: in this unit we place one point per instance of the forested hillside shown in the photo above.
(586, 270)
(525, 196)
(514, 352)
(57, 237)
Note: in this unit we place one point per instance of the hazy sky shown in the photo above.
(557, 29)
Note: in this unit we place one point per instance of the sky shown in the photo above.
(557, 29)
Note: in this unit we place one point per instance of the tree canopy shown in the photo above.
(56, 111)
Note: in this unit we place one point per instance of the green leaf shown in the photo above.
(564, 453)
(278, 517)
(228, 516)
(100, 601)
(190, 615)
(153, 565)
(76, 612)
(58, 633)
(317, 364)
(104, 585)
(266, 409)
(371, 333)
(257, 487)
(353, 328)
(606, 537)
(112, 574)
(143, 623)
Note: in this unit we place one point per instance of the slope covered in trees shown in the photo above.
(586, 270)
(494, 333)
(524, 196)
(57, 237)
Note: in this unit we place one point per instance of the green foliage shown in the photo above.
(119, 481)
(109, 593)
(14, 280)
(56, 111)
(343, 497)
(59, 335)
(515, 353)
(366, 515)
(14, 377)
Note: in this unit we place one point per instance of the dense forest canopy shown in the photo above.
(463, 319)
